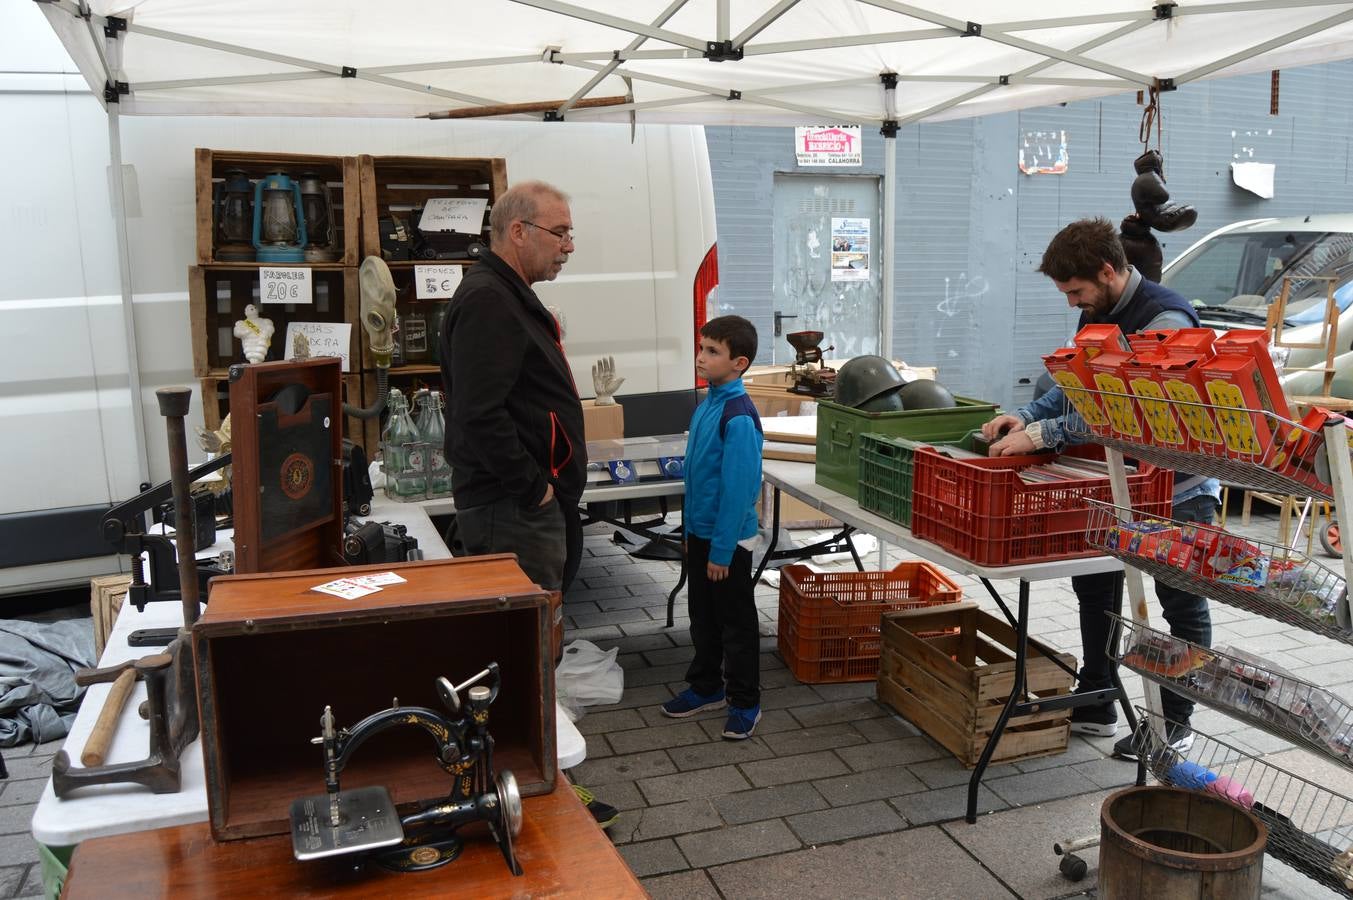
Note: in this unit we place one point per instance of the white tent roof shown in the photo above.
(802, 61)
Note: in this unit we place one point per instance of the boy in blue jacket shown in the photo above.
(723, 478)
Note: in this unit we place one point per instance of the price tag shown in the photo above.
(285, 285)
(436, 282)
(462, 214)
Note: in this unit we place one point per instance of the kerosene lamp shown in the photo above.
(234, 217)
(279, 225)
(318, 212)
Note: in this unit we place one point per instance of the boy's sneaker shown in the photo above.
(688, 703)
(1178, 734)
(741, 722)
(1096, 721)
(604, 813)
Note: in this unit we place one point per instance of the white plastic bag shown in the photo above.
(588, 676)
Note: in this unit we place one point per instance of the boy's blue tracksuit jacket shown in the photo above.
(723, 470)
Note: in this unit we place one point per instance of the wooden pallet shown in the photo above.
(953, 686)
(340, 172)
(217, 296)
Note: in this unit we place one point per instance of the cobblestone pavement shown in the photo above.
(834, 796)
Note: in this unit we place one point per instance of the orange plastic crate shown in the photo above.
(982, 511)
(829, 621)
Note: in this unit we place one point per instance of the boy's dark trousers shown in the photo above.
(723, 627)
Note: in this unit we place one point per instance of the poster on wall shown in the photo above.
(829, 145)
(850, 249)
(1043, 153)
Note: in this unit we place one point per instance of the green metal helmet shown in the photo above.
(864, 378)
(926, 394)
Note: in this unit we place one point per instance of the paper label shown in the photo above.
(436, 282)
(326, 339)
(462, 214)
(285, 285)
(377, 579)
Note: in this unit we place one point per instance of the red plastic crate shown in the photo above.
(829, 621)
(982, 511)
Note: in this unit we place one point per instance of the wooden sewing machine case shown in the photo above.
(271, 653)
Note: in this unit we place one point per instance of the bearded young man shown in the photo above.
(1086, 262)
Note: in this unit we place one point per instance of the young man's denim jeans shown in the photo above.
(1186, 613)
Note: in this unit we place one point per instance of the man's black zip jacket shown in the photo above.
(513, 419)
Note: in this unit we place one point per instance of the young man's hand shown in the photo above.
(1001, 425)
(1016, 443)
(715, 572)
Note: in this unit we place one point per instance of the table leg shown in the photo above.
(1016, 692)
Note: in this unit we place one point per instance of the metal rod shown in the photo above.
(174, 403)
(599, 18)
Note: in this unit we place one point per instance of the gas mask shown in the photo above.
(378, 308)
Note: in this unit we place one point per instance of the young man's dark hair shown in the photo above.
(1081, 249)
(735, 332)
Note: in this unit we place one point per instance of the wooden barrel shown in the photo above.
(1161, 843)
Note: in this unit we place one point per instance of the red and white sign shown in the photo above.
(829, 145)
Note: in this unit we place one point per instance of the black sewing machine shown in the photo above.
(364, 820)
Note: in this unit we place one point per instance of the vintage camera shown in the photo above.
(367, 543)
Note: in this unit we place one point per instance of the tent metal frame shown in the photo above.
(724, 47)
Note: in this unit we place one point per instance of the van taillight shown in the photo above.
(706, 280)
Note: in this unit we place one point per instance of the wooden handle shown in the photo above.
(96, 748)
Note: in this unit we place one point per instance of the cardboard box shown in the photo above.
(774, 401)
(1068, 367)
(1142, 373)
(794, 513)
(1181, 378)
(603, 423)
(271, 653)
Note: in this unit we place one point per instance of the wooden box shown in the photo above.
(271, 653)
(287, 466)
(953, 686)
(216, 406)
(106, 596)
(217, 296)
(399, 183)
(339, 172)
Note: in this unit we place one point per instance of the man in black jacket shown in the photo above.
(514, 424)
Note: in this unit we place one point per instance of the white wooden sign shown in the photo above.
(325, 339)
(436, 282)
(285, 285)
(462, 214)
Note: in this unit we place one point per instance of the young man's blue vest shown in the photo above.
(1149, 301)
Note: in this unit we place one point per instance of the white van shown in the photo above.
(643, 212)
(1235, 273)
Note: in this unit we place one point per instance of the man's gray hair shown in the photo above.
(520, 202)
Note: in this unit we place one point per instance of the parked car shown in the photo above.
(1233, 275)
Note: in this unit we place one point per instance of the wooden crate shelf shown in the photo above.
(339, 172)
(399, 183)
(217, 296)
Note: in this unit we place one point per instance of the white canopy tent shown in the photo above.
(879, 63)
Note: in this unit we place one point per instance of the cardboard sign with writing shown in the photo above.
(325, 339)
(290, 284)
(436, 282)
(462, 214)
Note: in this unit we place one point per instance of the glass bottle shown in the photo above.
(431, 426)
(405, 478)
(413, 325)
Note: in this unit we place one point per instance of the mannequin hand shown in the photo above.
(605, 381)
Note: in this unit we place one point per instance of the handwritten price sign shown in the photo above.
(285, 285)
(436, 282)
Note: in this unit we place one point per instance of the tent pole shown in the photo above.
(889, 228)
(124, 268)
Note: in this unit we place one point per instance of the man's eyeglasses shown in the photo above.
(565, 235)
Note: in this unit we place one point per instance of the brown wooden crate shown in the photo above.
(339, 171)
(217, 296)
(106, 595)
(401, 182)
(954, 686)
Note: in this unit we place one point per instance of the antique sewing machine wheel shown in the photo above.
(510, 818)
(429, 855)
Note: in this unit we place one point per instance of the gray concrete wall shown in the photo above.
(971, 228)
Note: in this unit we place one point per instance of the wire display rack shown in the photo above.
(1310, 827)
(1217, 441)
(1260, 577)
(1242, 686)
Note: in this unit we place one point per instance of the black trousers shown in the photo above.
(723, 627)
(547, 544)
(1186, 613)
